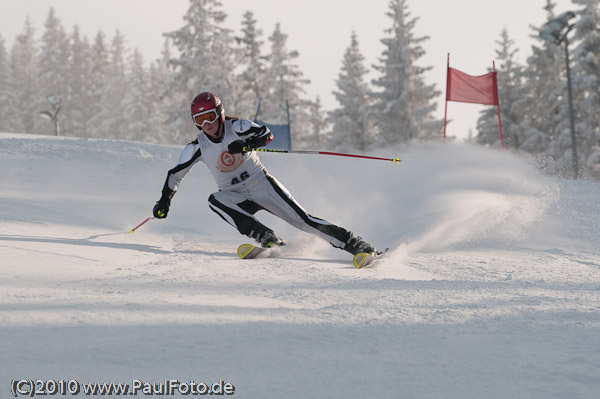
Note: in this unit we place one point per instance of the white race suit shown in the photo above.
(245, 186)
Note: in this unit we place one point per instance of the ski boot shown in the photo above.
(269, 240)
(356, 245)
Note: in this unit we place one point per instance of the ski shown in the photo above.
(364, 259)
(360, 261)
(249, 251)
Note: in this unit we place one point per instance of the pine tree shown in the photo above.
(99, 81)
(79, 102)
(543, 98)
(319, 125)
(584, 61)
(205, 63)
(352, 125)
(24, 69)
(9, 114)
(251, 79)
(54, 62)
(586, 85)
(511, 94)
(312, 133)
(115, 116)
(109, 87)
(136, 100)
(285, 82)
(404, 106)
(159, 75)
(223, 70)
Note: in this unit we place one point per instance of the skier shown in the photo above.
(245, 186)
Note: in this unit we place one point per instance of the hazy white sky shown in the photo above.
(320, 30)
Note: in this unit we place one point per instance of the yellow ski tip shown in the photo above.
(360, 259)
(244, 249)
(132, 231)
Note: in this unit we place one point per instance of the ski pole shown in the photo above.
(246, 149)
(140, 225)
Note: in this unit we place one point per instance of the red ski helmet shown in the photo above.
(207, 107)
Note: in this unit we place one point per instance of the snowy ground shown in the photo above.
(492, 289)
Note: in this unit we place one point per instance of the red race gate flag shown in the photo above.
(471, 89)
(483, 89)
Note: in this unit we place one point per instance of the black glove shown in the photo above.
(237, 147)
(161, 209)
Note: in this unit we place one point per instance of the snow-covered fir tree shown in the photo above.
(511, 95)
(9, 114)
(24, 70)
(584, 53)
(205, 62)
(137, 100)
(285, 82)
(312, 134)
(117, 87)
(352, 124)
(99, 81)
(78, 103)
(544, 95)
(251, 80)
(53, 76)
(159, 74)
(404, 107)
(223, 70)
(319, 125)
(109, 121)
(586, 85)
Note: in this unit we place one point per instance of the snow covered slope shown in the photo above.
(492, 288)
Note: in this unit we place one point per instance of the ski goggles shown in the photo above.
(209, 116)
